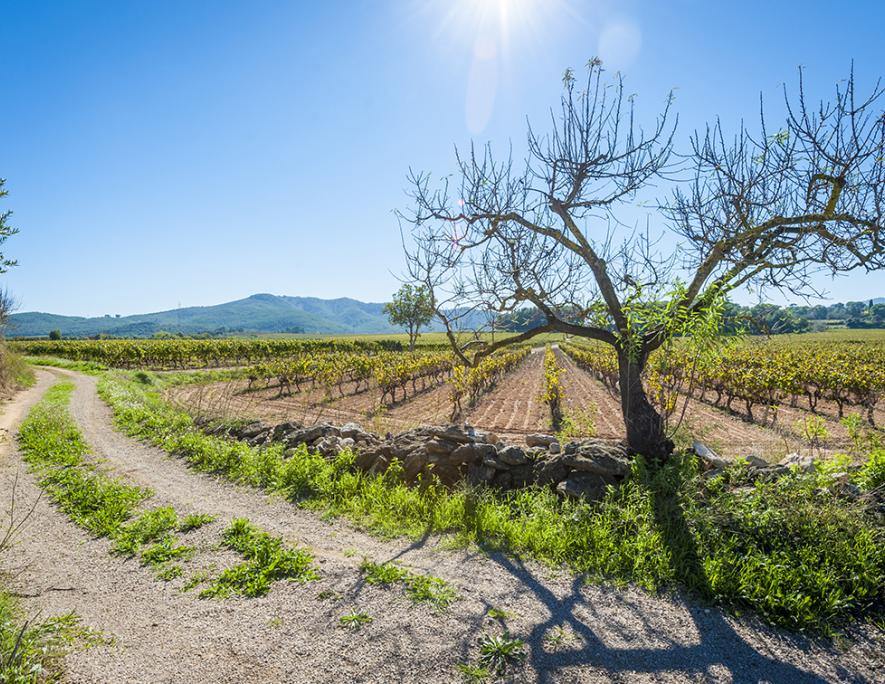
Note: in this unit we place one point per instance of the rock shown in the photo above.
(550, 471)
(597, 457)
(538, 440)
(554, 448)
(452, 433)
(346, 443)
(587, 486)
(571, 448)
(440, 446)
(278, 431)
(328, 446)
(521, 476)
(770, 472)
(709, 459)
(478, 474)
(805, 463)
(352, 430)
(756, 461)
(513, 456)
(253, 430)
(491, 460)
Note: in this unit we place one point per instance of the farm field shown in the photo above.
(514, 409)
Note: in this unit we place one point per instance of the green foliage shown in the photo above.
(31, 651)
(576, 424)
(170, 572)
(872, 473)
(473, 673)
(419, 588)
(498, 653)
(55, 334)
(195, 521)
(147, 527)
(354, 620)
(411, 308)
(55, 450)
(267, 560)
(790, 549)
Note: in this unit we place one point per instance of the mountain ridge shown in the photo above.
(262, 312)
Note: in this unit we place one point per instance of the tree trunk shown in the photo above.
(645, 426)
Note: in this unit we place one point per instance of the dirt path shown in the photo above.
(163, 635)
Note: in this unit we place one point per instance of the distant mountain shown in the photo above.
(260, 313)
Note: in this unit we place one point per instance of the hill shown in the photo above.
(259, 313)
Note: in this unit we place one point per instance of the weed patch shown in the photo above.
(267, 560)
(354, 620)
(419, 588)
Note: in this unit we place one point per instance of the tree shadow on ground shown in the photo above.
(701, 645)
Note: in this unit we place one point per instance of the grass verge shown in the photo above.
(796, 550)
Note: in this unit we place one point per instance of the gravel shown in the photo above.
(293, 635)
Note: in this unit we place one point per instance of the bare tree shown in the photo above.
(764, 210)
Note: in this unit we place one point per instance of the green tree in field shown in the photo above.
(55, 334)
(412, 308)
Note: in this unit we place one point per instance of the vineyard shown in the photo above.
(751, 394)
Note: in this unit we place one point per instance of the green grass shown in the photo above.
(105, 506)
(267, 560)
(794, 550)
(150, 526)
(497, 654)
(70, 364)
(31, 651)
(355, 620)
(55, 450)
(419, 588)
(195, 521)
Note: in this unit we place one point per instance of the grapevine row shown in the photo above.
(181, 354)
(756, 374)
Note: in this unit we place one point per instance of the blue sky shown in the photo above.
(161, 154)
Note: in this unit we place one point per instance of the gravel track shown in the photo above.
(164, 635)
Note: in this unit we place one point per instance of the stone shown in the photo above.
(554, 448)
(452, 433)
(538, 440)
(253, 430)
(587, 486)
(521, 476)
(278, 431)
(478, 474)
(599, 458)
(756, 461)
(550, 471)
(491, 460)
(709, 459)
(352, 430)
(805, 463)
(513, 456)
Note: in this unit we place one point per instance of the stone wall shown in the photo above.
(452, 454)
